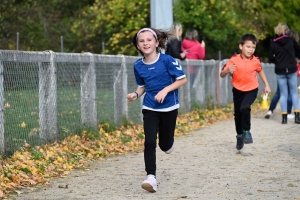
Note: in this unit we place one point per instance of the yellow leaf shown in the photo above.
(15, 179)
(59, 159)
(6, 179)
(23, 125)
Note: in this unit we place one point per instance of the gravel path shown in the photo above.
(204, 165)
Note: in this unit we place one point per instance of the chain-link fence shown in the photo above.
(47, 96)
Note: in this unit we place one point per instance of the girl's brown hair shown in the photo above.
(162, 37)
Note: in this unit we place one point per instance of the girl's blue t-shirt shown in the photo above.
(155, 77)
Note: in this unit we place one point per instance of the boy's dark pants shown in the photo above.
(164, 124)
(242, 109)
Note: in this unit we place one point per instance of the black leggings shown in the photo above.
(242, 109)
(164, 124)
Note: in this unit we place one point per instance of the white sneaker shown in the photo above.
(290, 116)
(150, 183)
(171, 149)
(268, 114)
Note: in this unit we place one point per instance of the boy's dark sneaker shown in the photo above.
(247, 137)
(239, 141)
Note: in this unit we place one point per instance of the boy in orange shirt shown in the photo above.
(243, 68)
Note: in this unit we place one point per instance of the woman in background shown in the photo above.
(174, 46)
(293, 34)
(196, 51)
(283, 50)
(191, 43)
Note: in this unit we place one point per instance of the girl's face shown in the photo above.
(248, 49)
(147, 43)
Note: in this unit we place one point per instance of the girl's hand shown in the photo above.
(131, 97)
(160, 96)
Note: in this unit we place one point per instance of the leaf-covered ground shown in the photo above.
(38, 165)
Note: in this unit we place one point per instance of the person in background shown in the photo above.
(283, 51)
(174, 45)
(158, 76)
(196, 51)
(191, 43)
(293, 34)
(243, 68)
(274, 102)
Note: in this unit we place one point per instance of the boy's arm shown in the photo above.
(228, 68)
(224, 72)
(264, 79)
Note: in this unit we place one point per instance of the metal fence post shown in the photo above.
(210, 85)
(2, 139)
(199, 84)
(184, 91)
(62, 43)
(120, 92)
(88, 93)
(225, 86)
(48, 100)
(18, 41)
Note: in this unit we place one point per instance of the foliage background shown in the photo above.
(106, 26)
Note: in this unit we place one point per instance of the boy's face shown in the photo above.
(247, 49)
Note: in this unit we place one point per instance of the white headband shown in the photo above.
(146, 29)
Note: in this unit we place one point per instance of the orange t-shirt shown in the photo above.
(244, 77)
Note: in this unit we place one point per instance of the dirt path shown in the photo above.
(204, 165)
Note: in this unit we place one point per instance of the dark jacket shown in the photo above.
(283, 51)
(174, 49)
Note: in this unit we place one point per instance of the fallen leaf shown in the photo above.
(290, 185)
(63, 186)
